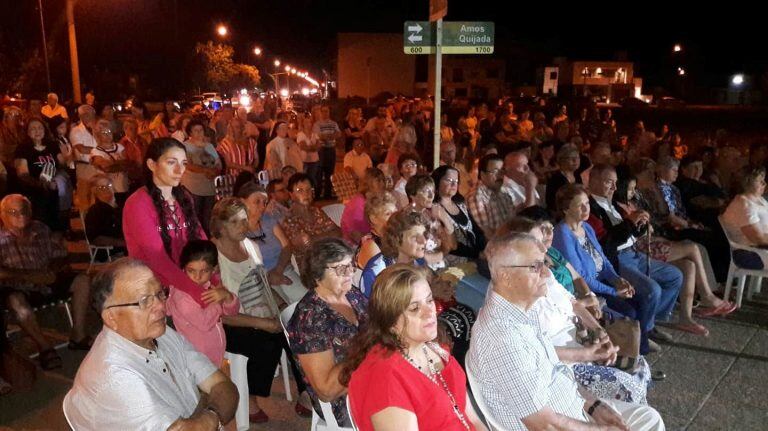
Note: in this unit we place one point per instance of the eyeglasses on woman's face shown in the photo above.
(342, 269)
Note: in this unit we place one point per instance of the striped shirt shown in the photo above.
(237, 154)
(517, 368)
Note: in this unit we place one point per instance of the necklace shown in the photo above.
(437, 378)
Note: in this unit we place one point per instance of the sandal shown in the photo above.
(50, 360)
(258, 418)
(84, 344)
(725, 308)
(693, 328)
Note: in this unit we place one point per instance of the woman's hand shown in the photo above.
(624, 289)
(216, 295)
(271, 325)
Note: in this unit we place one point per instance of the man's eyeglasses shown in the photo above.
(18, 213)
(298, 190)
(534, 269)
(343, 269)
(494, 172)
(104, 188)
(450, 181)
(144, 302)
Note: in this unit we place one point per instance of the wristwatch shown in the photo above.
(218, 418)
(594, 406)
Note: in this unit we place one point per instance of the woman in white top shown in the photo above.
(282, 151)
(255, 332)
(308, 146)
(109, 158)
(746, 218)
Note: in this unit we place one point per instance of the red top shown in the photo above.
(391, 381)
(141, 227)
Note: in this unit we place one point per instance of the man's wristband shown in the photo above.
(218, 418)
(594, 406)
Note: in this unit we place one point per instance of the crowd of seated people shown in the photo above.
(521, 253)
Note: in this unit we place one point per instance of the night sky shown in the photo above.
(149, 38)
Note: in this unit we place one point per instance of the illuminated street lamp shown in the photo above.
(681, 71)
(677, 48)
(287, 68)
(222, 30)
(737, 79)
(257, 50)
(293, 70)
(277, 63)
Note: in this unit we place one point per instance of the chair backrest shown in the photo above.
(64, 406)
(349, 411)
(85, 232)
(477, 396)
(334, 211)
(285, 317)
(224, 186)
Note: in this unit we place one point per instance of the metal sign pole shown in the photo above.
(438, 95)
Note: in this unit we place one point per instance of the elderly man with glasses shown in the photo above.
(514, 368)
(140, 374)
(31, 270)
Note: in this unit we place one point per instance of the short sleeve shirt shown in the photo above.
(316, 327)
(744, 211)
(121, 385)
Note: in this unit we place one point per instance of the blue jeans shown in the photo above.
(655, 296)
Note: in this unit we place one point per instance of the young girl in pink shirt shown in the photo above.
(202, 325)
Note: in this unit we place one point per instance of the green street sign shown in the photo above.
(459, 37)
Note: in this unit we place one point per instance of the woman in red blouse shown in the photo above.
(398, 377)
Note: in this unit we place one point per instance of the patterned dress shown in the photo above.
(316, 327)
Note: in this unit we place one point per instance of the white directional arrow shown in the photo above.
(414, 38)
(417, 28)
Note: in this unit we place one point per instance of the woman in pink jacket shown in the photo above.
(159, 219)
(202, 326)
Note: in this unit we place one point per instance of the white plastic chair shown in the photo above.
(740, 273)
(238, 371)
(93, 250)
(476, 395)
(318, 424)
(349, 409)
(334, 211)
(224, 186)
(64, 406)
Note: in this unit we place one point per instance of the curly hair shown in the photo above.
(390, 298)
(375, 203)
(400, 222)
(156, 149)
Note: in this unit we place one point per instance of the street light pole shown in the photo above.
(45, 44)
(73, 52)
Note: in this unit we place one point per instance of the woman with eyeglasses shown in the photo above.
(325, 321)
(304, 221)
(264, 229)
(109, 157)
(405, 241)
(256, 331)
(568, 161)
(470, 240)
(103, 221)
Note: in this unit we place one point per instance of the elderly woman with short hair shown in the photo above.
(746, 218)
(378, 209)
(568, 160)
(256, 331)
(325, 321)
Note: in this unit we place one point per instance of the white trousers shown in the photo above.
(638, 417)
